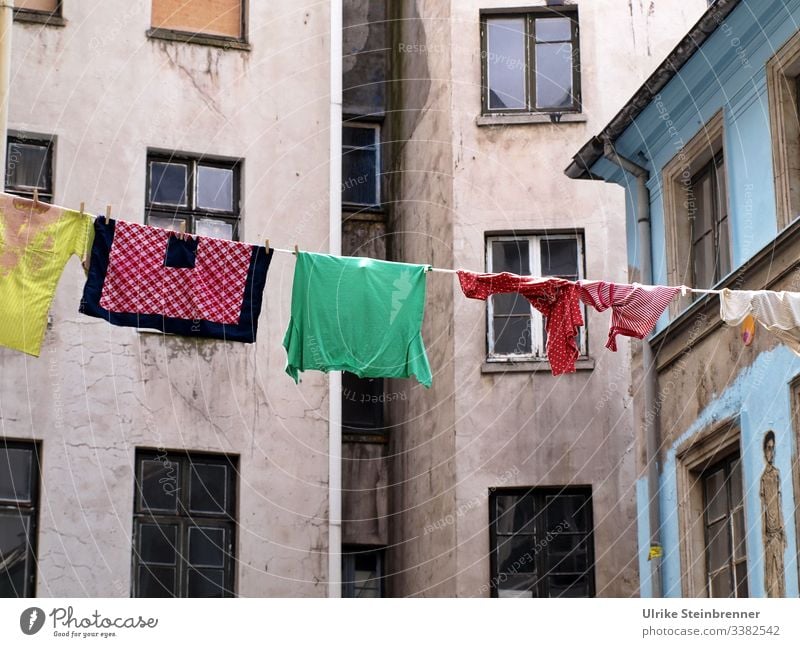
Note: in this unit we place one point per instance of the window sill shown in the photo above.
(531, 366)
(366, 437)
(222, 42)
(39, 18)
(529, 118)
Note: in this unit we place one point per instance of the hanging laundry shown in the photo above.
(359, 315)
(194, 286)
(635, 308)
(36, 241)
(778, 312)
(556, 299)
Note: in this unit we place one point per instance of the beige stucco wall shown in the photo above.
(108, 93)
(519, 429)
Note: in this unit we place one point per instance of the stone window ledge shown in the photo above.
(39, 18)
(529, 118)
(222, 42)
(532, 366)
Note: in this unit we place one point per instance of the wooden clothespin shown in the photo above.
(82, 207)
(266, 244)
(35, 197)
(108, 213)
(182, 230)
(296, 249)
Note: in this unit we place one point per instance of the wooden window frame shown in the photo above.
(712, 170)
(676, 176)
(210, 40)
(48, 141)
(693, 458)
(30, 509)
(538, 350)
(185, 519)
(191, 212)
(782, 75)
(530, 14)
(540, 555)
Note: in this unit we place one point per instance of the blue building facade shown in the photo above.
(708, 152)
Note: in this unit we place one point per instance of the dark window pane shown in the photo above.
(28, 166)
(511, 256)
(716, 496)
(512, 335)
(549, 30)
(704, 266)
(214, 188)
(506, 304)
(157, 544)
(559, 257)
(567, 554)
(156, 582)
(206, 583)
(554, 75)
(736, 483)
(721, 586)
(516, 554)
(739, 537)
(515, 585)
(14, 554)
(214, 228)
(208, 488)
(719, 545)
(168, 183)
(724, 257)
(16, 467)
(741, 580)
(207, 546)
(358, 137)
(159, 481)
(359, 182)
(505, 63)
(514, 514)
(362, 402)
(568, 586)
(701, 205)
(567, 513)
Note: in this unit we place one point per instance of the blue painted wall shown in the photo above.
(727, 74)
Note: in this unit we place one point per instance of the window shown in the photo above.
(29, 166)
(362, 405)
(362, 573)
(723, 520)
(214, 18)
(19, 501)
(541, 542)
(516, 330)
(696, 224)
(37, 8)
(531, 61)
(708, 218)
(184, 525)
(361, 165)
(782, 73)
(199, 192)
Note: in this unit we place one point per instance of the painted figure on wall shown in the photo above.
(773, 534)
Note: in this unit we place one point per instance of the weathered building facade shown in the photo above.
(709, 148)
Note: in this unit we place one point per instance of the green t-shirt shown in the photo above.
(36, 241)
(359, 315)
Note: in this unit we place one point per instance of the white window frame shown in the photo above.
(538, 350)
(376, 128)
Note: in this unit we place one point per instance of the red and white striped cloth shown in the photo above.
(635, 308)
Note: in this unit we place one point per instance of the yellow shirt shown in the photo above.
(36, 241)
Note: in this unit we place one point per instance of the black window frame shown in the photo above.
(45, 141)
(732, 562)
(530, 15)
(714, 168)
(184, 518)
(28, 508)
(539, 495)
(349, 554)
(191, 212)
(377, 129)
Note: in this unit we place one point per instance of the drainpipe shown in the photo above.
(6, 24)
(335, 377)
(648, 360)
